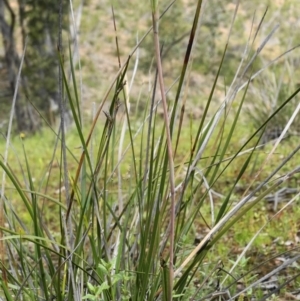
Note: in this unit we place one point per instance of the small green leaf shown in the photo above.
(91, 287)
(89, 296)
(104, 286)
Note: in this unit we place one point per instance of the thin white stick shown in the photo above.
(11, 120)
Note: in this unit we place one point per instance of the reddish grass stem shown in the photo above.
(155, 18)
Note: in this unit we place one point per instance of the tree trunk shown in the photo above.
(25, 117)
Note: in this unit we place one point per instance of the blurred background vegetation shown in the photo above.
(37, 20)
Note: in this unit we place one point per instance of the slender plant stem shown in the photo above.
(61, 101)
(155, 18)
(68, 222)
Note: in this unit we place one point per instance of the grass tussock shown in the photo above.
(155, 204)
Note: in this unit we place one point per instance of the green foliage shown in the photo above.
(106, 271)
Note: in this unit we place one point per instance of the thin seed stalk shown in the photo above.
(155, 18)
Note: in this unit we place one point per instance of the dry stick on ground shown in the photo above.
(243, 202)
(269, 275)
(155, 18)
(243, 254)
